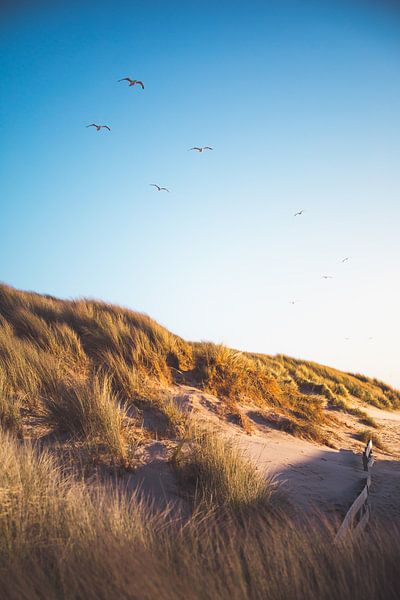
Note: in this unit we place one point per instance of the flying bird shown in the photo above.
(326, 277)
(201, 148)
(159, 188)
(299, 213)
(98, 127)
(132, 82)
(345, 259)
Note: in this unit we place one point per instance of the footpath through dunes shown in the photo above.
(314, 476)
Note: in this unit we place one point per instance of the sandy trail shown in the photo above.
(312, 475)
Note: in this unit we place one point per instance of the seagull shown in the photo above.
(326, 277)
(159, 189)
(132, 82)
(299, 213)
(201, 148)
(345, 259)
(98, 127)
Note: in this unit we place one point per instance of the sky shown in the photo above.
(300, 101)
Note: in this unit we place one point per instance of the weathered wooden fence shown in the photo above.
(358, 514)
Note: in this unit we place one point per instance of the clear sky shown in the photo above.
(301, 103)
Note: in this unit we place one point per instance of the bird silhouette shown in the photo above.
(159, 188)
(98, 127)
(326, 277)
(132, 82)
(299, 213)
(201, 148)
(345, 259)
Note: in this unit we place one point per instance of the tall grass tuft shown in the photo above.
(219, 475)
(10, 409)
(88, 410)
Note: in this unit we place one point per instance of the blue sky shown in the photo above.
(300, 101)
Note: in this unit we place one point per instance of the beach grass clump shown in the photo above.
(87, 410)
(219, 475)
(367, 434)
(10, 409)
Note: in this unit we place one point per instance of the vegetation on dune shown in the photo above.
(96, 377)
(88, 410)
(81, 366)
(219, 475)
(62, 540)
(367, 434)
(238, 377)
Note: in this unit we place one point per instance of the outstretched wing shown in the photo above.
(125, 79)
(155, 185)
(106, 127)
(195, 148)
(140, 83)
(92, 125)
(207, 148)
(165, 189)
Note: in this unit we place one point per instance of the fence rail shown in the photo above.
(359, 513)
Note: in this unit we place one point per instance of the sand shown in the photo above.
(312, 475)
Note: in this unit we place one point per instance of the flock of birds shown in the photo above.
(131, 83)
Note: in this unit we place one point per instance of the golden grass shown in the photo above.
(88, 410)
(10, 409)
(61, 539)
(367, 434)
(369, 421)
(219, 475)
(51, 351)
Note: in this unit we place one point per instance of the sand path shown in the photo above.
(314, 475)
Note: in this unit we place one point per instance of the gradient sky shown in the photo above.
(301, 102)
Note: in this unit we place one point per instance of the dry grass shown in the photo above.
(238, 377)
(10, 409)
(367, 434)
(88, 410)
(51, 351)
(62, 540)
(369, 421)
(219, 475)
(307, 430)
(331, 383)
